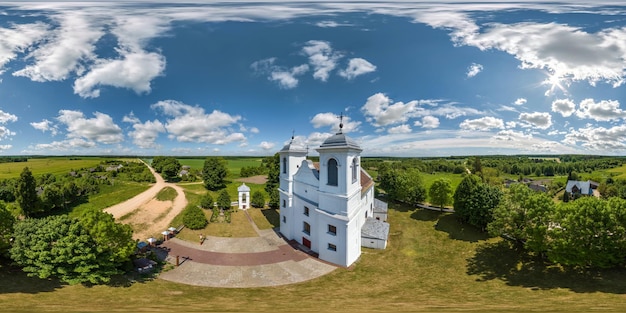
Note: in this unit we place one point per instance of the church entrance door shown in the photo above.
(306, 242)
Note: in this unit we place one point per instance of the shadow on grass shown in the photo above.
(272, 216)
(456, 230)
(426, 215)
(515, 267)
(14, 280)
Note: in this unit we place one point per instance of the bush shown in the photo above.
(258, 199)
(194, 218)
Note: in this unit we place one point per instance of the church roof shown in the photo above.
(340, 140)
(243, 188)
(293, 147)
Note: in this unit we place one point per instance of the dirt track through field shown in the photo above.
(150, 217)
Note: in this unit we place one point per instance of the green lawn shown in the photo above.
(428, 179)
(431, 264)
(52, 165)
(110, 195)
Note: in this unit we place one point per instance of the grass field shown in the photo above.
(52, 165)
(110, 195)
(431, 264)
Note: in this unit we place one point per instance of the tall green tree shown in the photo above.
(213, 173)
(206, 201)
(171, 168)
(462, 201)
(194, 218)
(223, 200)
(59, 246)
(258, 199)
(474, 201)
(26, 193)
(273, 180)
(114, 241)
(6, 229)
(440, 192)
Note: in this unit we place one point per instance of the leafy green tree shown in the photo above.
(206, 201)
(114, 241)
(273, 180)
(194, 218)
(58, 246)
(171, 168)
(258, 199)
(524, 216)
(213, 173)
(6, 229)
(475, 201)
(462, 204)
(404, 185)
(589, 232)
(223, 200)
(477, 167)
(52, 197)
(26, 193)
(440, 192)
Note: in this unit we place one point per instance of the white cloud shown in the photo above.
(482, 124)
(380, 110)
(73, 144)
(5, 147)
(356, 67)
(605, 110)
(46, 125)
(7, 117)
(330, 24)
(565, 107)
(286, 78)
(600, 138)
(146, 134)
(17, 39)
(267, 145)
(321, 57)
(70, 44)
(541, 120)
(520, 101)
(254, 130)
(134, 70)
(511, 135)
(100, 128)
(188, 123)
(430, 122)
(474, 69)
(333, 120)
(400, 129)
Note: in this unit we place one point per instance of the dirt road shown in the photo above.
(150, 216)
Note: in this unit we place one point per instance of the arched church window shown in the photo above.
(332, 172)
(355, 170)
(284, 165)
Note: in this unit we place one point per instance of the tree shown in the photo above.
(207, 202)
(223, 200)
(258, 199)
(213, 173)
(403, 185)
(477, 167)
(273, 180)
(59, 246)
(467, 187)
(440, 192)
(171, 168)
(589, 232)
(114, 241)
(194, 218)
(6, 229)
(475, 201)
(26, 193)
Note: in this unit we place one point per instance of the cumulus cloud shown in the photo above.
(7, 117)
(356, 67)
(100, 128)
(69, 45)
(605, 110)
(286, 78)
(188, 123)
(482, 124)
(520, 101)
(599, 138)
(511, 135)
(474, 69)
(565, 107)
(541, 120)
(321, 57)
(333, 120)
(45, 126)
(66, 145)
(331, 24)
(381, 111)
(17, 39)
(267, 145)
(145, 134)
(400, 129)
(430, 122)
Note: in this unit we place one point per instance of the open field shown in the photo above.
(432, 263)
(110, 195)
(52, 165)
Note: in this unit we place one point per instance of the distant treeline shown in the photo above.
(13, 159)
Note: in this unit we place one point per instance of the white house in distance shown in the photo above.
(329, 207)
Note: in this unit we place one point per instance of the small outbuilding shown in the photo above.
(244, 196)
(374, 234)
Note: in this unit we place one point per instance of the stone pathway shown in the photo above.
(267, 260)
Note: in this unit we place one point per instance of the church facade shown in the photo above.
(329, 206)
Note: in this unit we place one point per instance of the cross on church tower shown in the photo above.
(341, 123)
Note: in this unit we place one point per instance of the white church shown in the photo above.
(329, 207)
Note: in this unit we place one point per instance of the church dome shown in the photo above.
(292, 147)
(340, 140)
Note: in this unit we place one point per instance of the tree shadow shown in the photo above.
(426, 215)
(459, 231)
(272, 216)
(14, 280)
(516, 267)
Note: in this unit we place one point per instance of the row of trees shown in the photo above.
(167, 166)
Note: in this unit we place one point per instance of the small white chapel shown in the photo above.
(329, 207)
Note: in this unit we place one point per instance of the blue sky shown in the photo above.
(412, 78)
